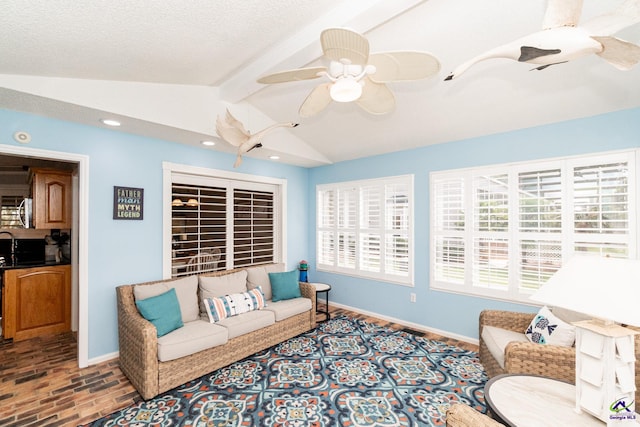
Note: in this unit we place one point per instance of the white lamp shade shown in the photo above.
(606, 288)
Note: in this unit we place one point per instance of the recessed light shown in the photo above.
(208, 143)
(110, 122)
(274, 157)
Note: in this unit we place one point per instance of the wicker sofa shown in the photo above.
(530, 358)
(153, 371)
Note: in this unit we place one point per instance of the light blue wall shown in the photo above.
(445, 311)
(122, 252)
(130, 251)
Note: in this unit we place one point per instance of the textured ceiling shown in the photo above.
(223, 46)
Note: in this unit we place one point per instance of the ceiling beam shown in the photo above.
(304, 47)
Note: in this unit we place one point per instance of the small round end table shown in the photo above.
(323, 288)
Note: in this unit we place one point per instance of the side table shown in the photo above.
(529, 400)
(323, 288)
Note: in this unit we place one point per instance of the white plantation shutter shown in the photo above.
(539, 230)
(325, 236)
(491, 203)
(448, 212)
(491, 226)
(503, 231)
(540, 201)
(397, 219)
(364, 228)
(600, 199)
(538, 261)
(371, 200)
(347, 204)
(449, 259)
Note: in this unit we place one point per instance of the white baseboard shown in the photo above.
(411, 325)
(103, 358)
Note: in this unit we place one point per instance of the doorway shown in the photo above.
(79, 232)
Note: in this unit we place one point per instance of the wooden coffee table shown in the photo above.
(529, 400)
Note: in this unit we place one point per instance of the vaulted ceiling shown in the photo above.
(166, 69)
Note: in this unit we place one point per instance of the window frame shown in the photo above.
(205, 176)
(567, 236)
(358, 229)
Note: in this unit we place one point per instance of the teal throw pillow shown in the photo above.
(284, 285)
(163, 311)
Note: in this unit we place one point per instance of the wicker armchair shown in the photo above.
(461, 415)
(531, 358)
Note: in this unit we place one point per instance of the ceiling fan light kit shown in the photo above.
(345, 89)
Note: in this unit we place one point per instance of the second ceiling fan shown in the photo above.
(356, 75)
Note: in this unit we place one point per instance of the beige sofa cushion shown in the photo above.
(287, 308)
(259, 276)
(497, 339)
(191, 338)
(218, 286)
(247, 322)
(186, 291)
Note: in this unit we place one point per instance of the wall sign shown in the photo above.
(128, 202)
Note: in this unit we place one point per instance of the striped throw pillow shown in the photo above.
(219, 308)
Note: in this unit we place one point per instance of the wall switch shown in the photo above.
(412, 297)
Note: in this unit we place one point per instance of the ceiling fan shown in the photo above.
(355, 75)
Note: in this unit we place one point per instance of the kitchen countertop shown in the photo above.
(33, 265)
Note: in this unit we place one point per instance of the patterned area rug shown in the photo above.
(346, 372)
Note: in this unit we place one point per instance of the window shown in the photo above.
(218, 223)
(502, 231)
(10, 211)
(365, 228)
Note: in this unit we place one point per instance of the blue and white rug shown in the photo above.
(346, 372)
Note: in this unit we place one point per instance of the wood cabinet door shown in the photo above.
(52, 199)
(38, 301)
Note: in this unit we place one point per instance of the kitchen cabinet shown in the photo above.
(52, 198)
(36, 301)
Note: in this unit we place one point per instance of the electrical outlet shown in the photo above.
(412, 297)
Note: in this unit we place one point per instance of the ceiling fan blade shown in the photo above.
(376, 97)
(293, 75)
(317, 101)
(340, 43)
(395, 66)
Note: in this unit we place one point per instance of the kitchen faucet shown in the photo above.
(13, 246)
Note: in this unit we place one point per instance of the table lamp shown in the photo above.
(609, 290)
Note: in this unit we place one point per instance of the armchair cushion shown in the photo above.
(546, 328)
(497, 339)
